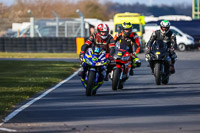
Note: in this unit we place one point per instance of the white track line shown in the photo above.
(7, 130)
(14, 113)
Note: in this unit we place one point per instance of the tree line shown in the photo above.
(90, 8)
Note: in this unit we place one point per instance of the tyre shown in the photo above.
(90, 83)
(116, 79)
(157, 73)
(181, 47)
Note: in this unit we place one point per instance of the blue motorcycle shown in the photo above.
(95, 61)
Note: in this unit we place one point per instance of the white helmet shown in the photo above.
(164, 26)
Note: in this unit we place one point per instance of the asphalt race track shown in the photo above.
(141, 107)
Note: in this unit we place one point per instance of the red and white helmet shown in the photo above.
(103, 31)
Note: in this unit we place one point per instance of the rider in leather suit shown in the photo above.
(131, 39)
(168, 37)
(104, 40)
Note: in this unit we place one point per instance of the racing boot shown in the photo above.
(172, 69)
(80, 73)
(105, 75)
(131, 72)
(136, 62)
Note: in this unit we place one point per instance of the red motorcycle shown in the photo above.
(120, 72)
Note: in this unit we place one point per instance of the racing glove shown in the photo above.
(81, 55)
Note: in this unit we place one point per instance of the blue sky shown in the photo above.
(147, 2)
(156, 2)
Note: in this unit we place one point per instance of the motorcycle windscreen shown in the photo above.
(97, 50)
(121, 46)
(159, 45)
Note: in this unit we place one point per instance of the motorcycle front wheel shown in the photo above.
(116, 79)
(157, 73)
(90, 83)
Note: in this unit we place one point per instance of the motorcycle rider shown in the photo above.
(168, 37)
(130, 39)
(103, 39)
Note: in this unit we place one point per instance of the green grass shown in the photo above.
(19, 80)
(38, 55)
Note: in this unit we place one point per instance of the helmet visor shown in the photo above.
(103, 33)
(165, 29)
(127, 30)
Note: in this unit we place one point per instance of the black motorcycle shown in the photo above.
(159, 62)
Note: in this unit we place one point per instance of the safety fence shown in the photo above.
(38, 44)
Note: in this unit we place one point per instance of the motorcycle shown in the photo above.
(160, 62)
(120, 72)
(95, 62)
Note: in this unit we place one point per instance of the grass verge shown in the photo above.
(19, 80)
(38, 55)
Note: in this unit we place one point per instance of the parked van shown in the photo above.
(135, 18)
(183, 40)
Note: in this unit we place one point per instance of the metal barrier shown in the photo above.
(37, 44)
